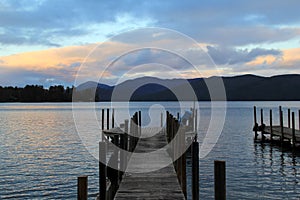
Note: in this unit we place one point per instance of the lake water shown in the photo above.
(41, 153)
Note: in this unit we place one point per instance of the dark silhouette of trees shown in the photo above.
(36, 93)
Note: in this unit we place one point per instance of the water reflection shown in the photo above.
(277, 169)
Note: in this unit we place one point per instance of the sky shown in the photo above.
(49, 42)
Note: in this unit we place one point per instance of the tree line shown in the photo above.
(36, 93)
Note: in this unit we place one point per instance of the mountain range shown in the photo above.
(238, 88)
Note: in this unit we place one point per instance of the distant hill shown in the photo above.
(238, 88)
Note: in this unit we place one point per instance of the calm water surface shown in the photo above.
(41, 153)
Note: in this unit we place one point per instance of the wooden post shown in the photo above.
(220, 180)
(167, 126)
(102, 119)
(299, 118)
(102, 170)
(130, 145)
(161, 119)
(140, 123)
(126, 134)
(82, 188)
(196, 122)
(281, 127)
(113, 118)
(178, 116)
(193, 119)
(293, 130)
(280, 109)
(114, 161)
(271, 125)
(262, 122)
(136, 127)
(289, 118)
(255, 123)
(183, 161)
(195, 170)
(122, 156)
(176, 143)
(107, 118)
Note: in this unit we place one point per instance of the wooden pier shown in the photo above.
(159, 175)
(284, 135)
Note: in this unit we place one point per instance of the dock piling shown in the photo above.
(82, 188)
(102, 170)
(113, 118)
(220, 180)
(281, 126)
(299, 119)
(289, 118)
(161, 119)
(255, 123)
(262, 124)
(102, 120)
(271, 126)
(195, 170)
(196, 122)
(293, 130)
(107, 118)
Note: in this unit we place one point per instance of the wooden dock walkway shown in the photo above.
(147, 182)
(157, 168)
(285, 134)
(288, 132)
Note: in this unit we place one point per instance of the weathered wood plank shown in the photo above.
(140, 181)
(287, 132)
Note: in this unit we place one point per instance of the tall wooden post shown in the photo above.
(167, 125)
(271, 125)
(102, 170)
(281, 127)
(82, 188)
(289, 118)
(195, 170)
(102, 120)
(255, 123)
(161, 119)
(293, 130)
(220, 180)
(107, 118)
(182, 157)
(196, 121)
(193, 119)
(113, 118)
(280, 109)
(140, 123)
(126, 134)
(299, 119)
(262, 124)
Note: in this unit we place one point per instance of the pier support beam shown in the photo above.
(271, 126)
(281, 127)
(293, 130)
(195, 170)
(82, 188)
(255, 123)
(107, 118)
(220, 180)
(262, 124)
(102, 170)
(289, 118)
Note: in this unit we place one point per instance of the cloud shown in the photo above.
(65, 22)
(226, 55)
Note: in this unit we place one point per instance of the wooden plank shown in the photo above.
(287, 132)
(149, 183)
